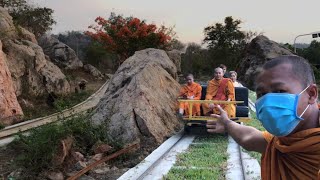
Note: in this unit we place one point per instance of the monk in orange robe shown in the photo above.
(220, 89)
(190, 91)
(293, 157)
(291, 147)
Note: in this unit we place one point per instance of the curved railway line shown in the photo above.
(7, 134)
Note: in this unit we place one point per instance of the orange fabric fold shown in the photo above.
(191, 90)
(226, 93)
(293, 157)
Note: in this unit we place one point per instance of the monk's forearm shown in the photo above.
(248, 137)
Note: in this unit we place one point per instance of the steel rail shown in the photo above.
(6, 134)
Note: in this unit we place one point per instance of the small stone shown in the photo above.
(102, 170)
(114, 168)
(97, 157)
(55, 175)
(78, 156)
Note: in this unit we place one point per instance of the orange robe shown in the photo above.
(191, 90)
(293, 157)
(221, 90)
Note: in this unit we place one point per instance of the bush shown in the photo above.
(39, 147)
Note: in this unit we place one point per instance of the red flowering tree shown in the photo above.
(124, 36)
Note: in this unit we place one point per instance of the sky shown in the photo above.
(279, 20)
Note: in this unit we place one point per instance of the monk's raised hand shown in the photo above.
(223, 114)
(219, 125)
(215, 127)
(211, 105)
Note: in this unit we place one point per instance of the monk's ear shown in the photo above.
(313, 94)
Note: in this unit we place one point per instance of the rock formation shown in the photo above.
(60, 53)
(9, 106)
(175, 57)
(140, 102)
(31, 72)
(7, 28)
(260, 50)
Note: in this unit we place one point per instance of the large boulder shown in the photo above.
(8, 99)
(31, 72)
(140, 102)
(175, 57)
(7, 28)
(259, 51)
(59, 53)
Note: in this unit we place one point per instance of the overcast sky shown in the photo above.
(280, 20)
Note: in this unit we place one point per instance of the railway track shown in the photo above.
(7, 134)
(240, 165)
(160, 161)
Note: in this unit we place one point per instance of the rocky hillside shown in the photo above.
(28, 71)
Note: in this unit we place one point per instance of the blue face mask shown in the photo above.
(278, 112)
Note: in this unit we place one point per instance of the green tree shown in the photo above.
(312, 53)
(227, 42)
(97, 55)
(176, 44)
(195, 60)
(36, 19)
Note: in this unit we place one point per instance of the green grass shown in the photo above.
(205, 159)
(66, 102)
(252, 96)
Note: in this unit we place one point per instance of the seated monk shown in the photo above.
(220, 89)
(190, 91)
(287, 107)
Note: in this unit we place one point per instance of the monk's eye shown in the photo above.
(279, 91)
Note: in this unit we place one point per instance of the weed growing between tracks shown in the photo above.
(206, 158)
(39, 147)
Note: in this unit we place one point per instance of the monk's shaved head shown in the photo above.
(300, 68)
(189, 79)
(190, 75)
(218, 69)
(218, 73)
